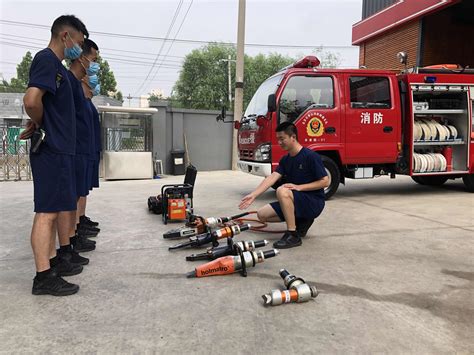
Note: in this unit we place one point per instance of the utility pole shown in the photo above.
(129, 99)
(229, 60)
(239, 79)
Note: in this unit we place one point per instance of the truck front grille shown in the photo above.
(246, 154)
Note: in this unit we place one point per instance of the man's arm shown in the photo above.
(33, 101)
(34, 108)
(268, 182)
(315, 185)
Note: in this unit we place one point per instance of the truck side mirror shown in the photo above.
(221, 117)
(272, 104)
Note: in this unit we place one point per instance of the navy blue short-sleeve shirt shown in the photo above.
(304, 168)
(90, 117)
(83, 121)
(96, 119)
(48, 73)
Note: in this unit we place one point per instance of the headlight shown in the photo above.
(262, 153)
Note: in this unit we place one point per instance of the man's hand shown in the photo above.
(246, 201)
(292, 187)
(28, 132)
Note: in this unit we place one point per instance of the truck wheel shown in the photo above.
(469, 182)
(418, 180)
(334, 176)
(430, 180)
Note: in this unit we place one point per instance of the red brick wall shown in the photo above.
(447, 41)
(381, 52)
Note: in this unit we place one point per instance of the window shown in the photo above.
(259, 103)
(370, 92)
(303, 92)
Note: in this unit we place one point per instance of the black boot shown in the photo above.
(86, 220)
(81, 244)
(73, 256)
(78, 259)
(303, 225)
(289, 240)
(65, 267)
(85, 231)
(52, 284)
(89, 228)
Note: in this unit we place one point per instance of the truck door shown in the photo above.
(311, 102)
(373, 119)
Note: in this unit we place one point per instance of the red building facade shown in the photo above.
(430, 31)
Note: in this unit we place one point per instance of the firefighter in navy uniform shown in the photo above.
(49, 103)
(301, 199)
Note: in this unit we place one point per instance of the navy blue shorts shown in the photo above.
(306, 206)
(82, 181)
(90, 173)
(54, 181)
(95, 172)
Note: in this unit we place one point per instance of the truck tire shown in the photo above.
(418, 180)
(334, 176)
(430, 180)
(469, 182)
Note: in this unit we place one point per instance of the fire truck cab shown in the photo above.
(365, 123)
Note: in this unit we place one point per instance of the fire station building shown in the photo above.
(429, 31)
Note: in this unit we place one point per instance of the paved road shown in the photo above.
(393, 262)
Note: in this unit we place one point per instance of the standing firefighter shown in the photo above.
(301, 199)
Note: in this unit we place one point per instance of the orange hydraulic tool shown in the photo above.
(212, 237)
(199, 225)
(230, 264)
(230, 249)
(297, 290)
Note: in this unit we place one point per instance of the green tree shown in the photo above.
(257, 69)
(328, 59)
(20, 83)
(203, 79)
(108, 84)
(155, 97)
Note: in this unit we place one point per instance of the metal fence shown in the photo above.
(14, 155)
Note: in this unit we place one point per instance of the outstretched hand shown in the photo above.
(246, 201)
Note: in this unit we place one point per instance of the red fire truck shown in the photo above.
(366, 123)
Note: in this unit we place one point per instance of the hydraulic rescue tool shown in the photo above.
(229, 249)
(199, 225)
(230, 264)
(297, 291)
(212, 237)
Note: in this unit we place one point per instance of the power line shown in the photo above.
(104, 54)
(101, 48)
(112, 59)
(190, 41)
(175, 35)
(178, 9)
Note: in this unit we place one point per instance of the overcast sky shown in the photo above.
(292, 22)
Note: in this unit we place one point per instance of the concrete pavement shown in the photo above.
(393, 262)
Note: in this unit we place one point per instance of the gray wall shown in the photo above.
(209, 143)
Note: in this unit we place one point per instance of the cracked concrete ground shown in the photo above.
(393, 262)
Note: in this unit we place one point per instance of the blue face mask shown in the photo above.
(93, 68)
(74, 52)
(93, 81)
(96, 90)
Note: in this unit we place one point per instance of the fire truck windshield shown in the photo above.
(258, 106)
